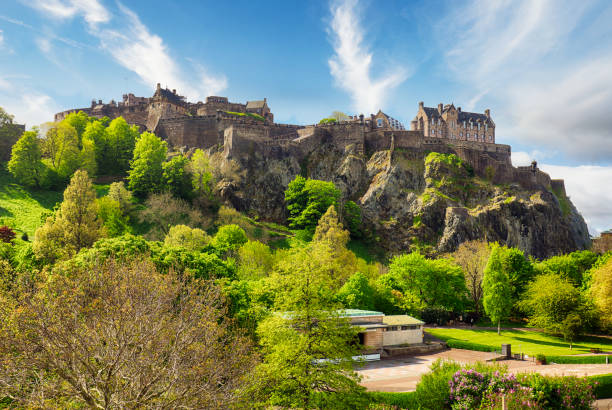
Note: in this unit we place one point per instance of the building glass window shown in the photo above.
(379, 123)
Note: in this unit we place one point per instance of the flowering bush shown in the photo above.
(567, 392)
(515, 399)
(6, 234)
(470, 388)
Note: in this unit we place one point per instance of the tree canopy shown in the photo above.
(307, 200)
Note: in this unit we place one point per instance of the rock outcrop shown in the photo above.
(411, 198)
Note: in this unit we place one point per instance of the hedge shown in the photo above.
(463, 344)
(405, 400)
(599, 359)
(603, 390)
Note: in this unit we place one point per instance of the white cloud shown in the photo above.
(1, 38)
(351, 64)
(130, 43)
(542, 63)
(92, 11)
(522, 158)
(43, 44)
(29, 107)
(587, 187)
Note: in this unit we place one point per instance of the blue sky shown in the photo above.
(543, 67)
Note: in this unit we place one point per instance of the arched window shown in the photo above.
(490, 137)
(478, 126)
(463, 124)
(468, 135)
(461, 134)
(379, 123)
(471, 125)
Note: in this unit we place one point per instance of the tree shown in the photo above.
(177, 178)
(601, 291)
(352, 218)
(96, 131)
(255, 260)
(26, 164)
(88, 156)
(121, 139)
(117, 335)
(61, 148)
(201, 173)
(571, 266)
(189, 238)
(357, 293)
(229, 238)
(549, 300)
(426, 282)
(78, 121)
(329, 229)
(307, 346)
(472, 257)
(162, 211)
(75, 225)
(117, 192)
(112, 217)
(146, 173)
(571, 327)
(497, 291)
(518, 268)
(307, 200)
(9, 134)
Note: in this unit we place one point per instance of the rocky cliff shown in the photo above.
(409, 198)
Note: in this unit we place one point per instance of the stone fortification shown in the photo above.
(248, 128)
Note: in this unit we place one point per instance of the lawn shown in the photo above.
(523, 341)
(20, 208)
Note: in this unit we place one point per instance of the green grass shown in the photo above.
(21, 208)
(522, 341)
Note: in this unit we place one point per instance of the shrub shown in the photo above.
(406, 400)
(435, 316)
(561, 392)
(469, 387)
(464, 344)
(603, 385)
(540, 357)
(598, 359)
(433, 391)
(6, 234)
(518, 398)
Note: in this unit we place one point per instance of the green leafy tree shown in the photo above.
(146, 174)
(117, 192)
(189, 238)
(572, 327)
(9, 134)
(307, 200)
(422, 282)
(26, 164)
(88, 156)
(307, 346)
(600, 291)
(255, 260)
(352, 218)
(357, 293)
(201, 173)
(62, 149)
(518, 268)
(112, 217)
(229, 238)
(177, 178)
(549, 300)
(96, 131)
(571, 266)
(121, 139)
(77, 120)
(75, 224)
(497, 290)
(472, 256)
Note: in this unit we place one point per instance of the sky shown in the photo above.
(543, 67)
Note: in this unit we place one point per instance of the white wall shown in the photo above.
(400, 337)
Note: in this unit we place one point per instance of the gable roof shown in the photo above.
(255, 104)
(400, 320)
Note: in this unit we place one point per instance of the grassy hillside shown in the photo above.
(22, 208)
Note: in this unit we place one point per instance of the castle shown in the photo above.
(242, 129)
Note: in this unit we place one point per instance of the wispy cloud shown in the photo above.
(92, 11)
(352, 62)
(536, 60)
(130, 43)
(28, 106)
(586, 187)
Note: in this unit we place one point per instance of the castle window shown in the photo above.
(471, 125)
(478, 126)
(379, 123)
(468, 135)
(486, 127)
(461, 134)
(490, 137)
(463, 124)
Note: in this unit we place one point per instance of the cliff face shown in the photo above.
(409, 198)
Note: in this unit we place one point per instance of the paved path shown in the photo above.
(403, 374)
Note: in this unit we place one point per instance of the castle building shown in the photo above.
(382, 120)
(449, 122)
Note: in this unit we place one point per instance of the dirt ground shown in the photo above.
(403, 374)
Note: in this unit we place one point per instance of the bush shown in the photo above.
(435, 316)
(6, 234)
(561, 392)
(405, 400)
(469, 387)
(603, 385)
(433, 391)
(464, 344)
(599, 359)
(540, 357)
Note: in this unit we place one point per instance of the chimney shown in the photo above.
(100, 102)
(488, 113)
(440, 107)
(421, 104)
(458, 109)
(158, 86)
(174, 91)
(265, 99)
